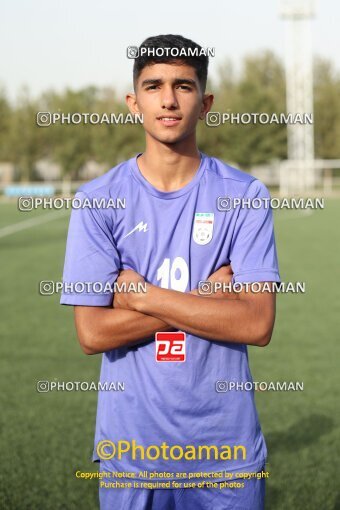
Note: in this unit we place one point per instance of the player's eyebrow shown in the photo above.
(152, 81)
(177, 81)
(186, 81)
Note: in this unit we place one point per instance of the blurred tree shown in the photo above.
(257, 87)
(70, 145)
(217, 141)
(260, 88)
(24, 138)
(114, 143)
(6, 116)
(326, 110)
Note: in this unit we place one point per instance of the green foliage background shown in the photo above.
(259, 86)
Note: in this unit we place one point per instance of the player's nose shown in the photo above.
(169, 99)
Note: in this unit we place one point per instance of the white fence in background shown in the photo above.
(292, 177)
(283, 177)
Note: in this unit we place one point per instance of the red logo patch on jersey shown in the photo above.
(170, 346)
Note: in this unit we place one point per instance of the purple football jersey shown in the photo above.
(174, 240)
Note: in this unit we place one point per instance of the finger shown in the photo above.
(228, 269)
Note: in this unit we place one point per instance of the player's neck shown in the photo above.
(169, 168)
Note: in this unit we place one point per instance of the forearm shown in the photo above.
(103, 329)
(228, 320)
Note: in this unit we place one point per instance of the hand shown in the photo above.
(224, 276)
(128, 280)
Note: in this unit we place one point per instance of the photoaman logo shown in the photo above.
(107, 450)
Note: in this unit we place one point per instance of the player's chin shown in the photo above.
(170, 137)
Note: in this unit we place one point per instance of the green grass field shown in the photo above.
(46, 437)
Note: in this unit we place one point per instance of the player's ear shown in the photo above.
(132, 103)
(207, 103)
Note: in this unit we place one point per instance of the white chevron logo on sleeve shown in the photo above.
(141, 227)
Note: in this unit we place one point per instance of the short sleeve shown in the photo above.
(253, 255)
(91, 262)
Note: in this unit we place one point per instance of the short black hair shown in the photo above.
(199, 63)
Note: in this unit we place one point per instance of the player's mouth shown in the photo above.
(169, 120)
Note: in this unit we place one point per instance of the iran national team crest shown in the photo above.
(203, 228)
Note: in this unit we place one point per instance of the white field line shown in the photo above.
(33, 222)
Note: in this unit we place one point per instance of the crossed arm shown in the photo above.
(135, 317)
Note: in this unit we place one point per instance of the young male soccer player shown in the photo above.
(174, 418)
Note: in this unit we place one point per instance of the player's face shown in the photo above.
(171, 101)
